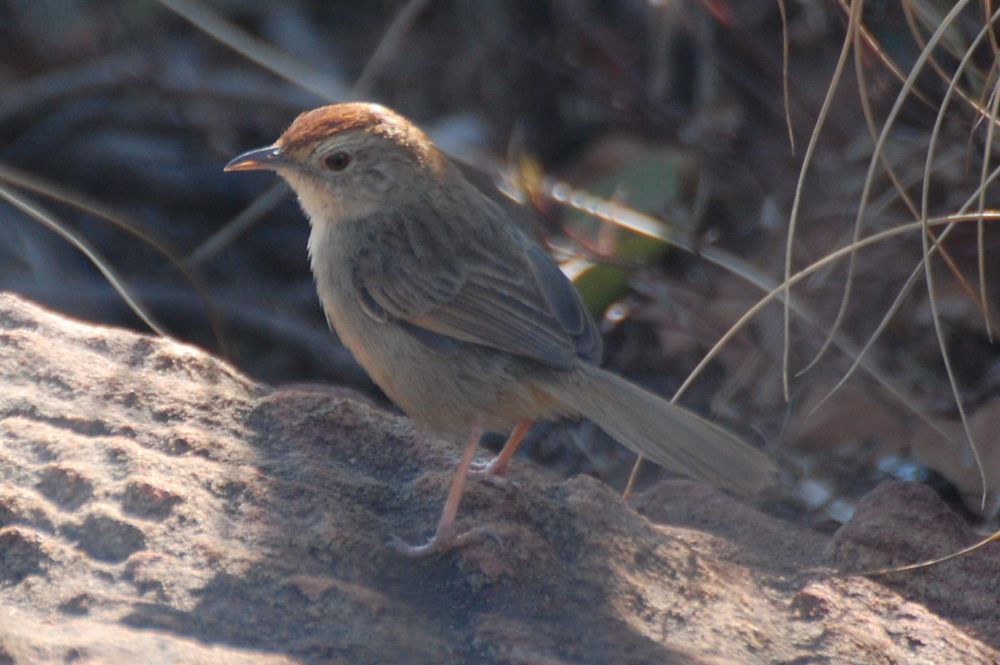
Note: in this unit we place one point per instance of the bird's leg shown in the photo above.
(445, 537)
(499, 463)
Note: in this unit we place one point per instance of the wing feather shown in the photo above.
(486, 285)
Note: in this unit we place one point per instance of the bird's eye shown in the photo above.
(337, 161)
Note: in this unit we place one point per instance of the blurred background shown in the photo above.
(117, 117)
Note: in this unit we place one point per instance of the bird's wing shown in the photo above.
(483, 283)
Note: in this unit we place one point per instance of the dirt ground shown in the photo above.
(117, 118)
(157, 505)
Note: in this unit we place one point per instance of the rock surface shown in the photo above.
(158, 507)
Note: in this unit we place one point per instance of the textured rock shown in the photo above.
(157, 506)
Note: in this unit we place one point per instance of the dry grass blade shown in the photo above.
(878, 153)
(265, 55)
(636, 221)
(984, 297)
(883, 57)
(50, 221)
(930, 562)
(250, 215)
(926, 237)
(890, 313)
(899, 189)
(937, 246)
(48, 88)
(878, 157)
(933, 20)
(777, 292)
(911, 281)
(88, 205)
(796, 203)
(784, 74)
(388, 45)
(614, 212)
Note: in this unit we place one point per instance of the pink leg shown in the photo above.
(444, 537)
(500, 462)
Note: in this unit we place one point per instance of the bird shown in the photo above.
(461, 317)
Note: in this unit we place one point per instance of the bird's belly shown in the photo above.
(449, 393)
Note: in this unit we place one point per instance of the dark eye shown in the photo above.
(337, 161)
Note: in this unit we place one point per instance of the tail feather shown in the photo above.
(670, 435)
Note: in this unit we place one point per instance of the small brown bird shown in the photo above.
(464, 321)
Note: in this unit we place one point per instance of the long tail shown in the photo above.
(665, 433)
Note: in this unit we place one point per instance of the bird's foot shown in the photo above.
(492, 472)
(443, 541)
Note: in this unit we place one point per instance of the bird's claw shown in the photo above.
(442, 541)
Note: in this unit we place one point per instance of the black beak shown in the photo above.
(269, 158)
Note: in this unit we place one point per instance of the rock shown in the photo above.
(158, 506)
(906, 523)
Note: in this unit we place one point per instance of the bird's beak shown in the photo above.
(269, 158)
